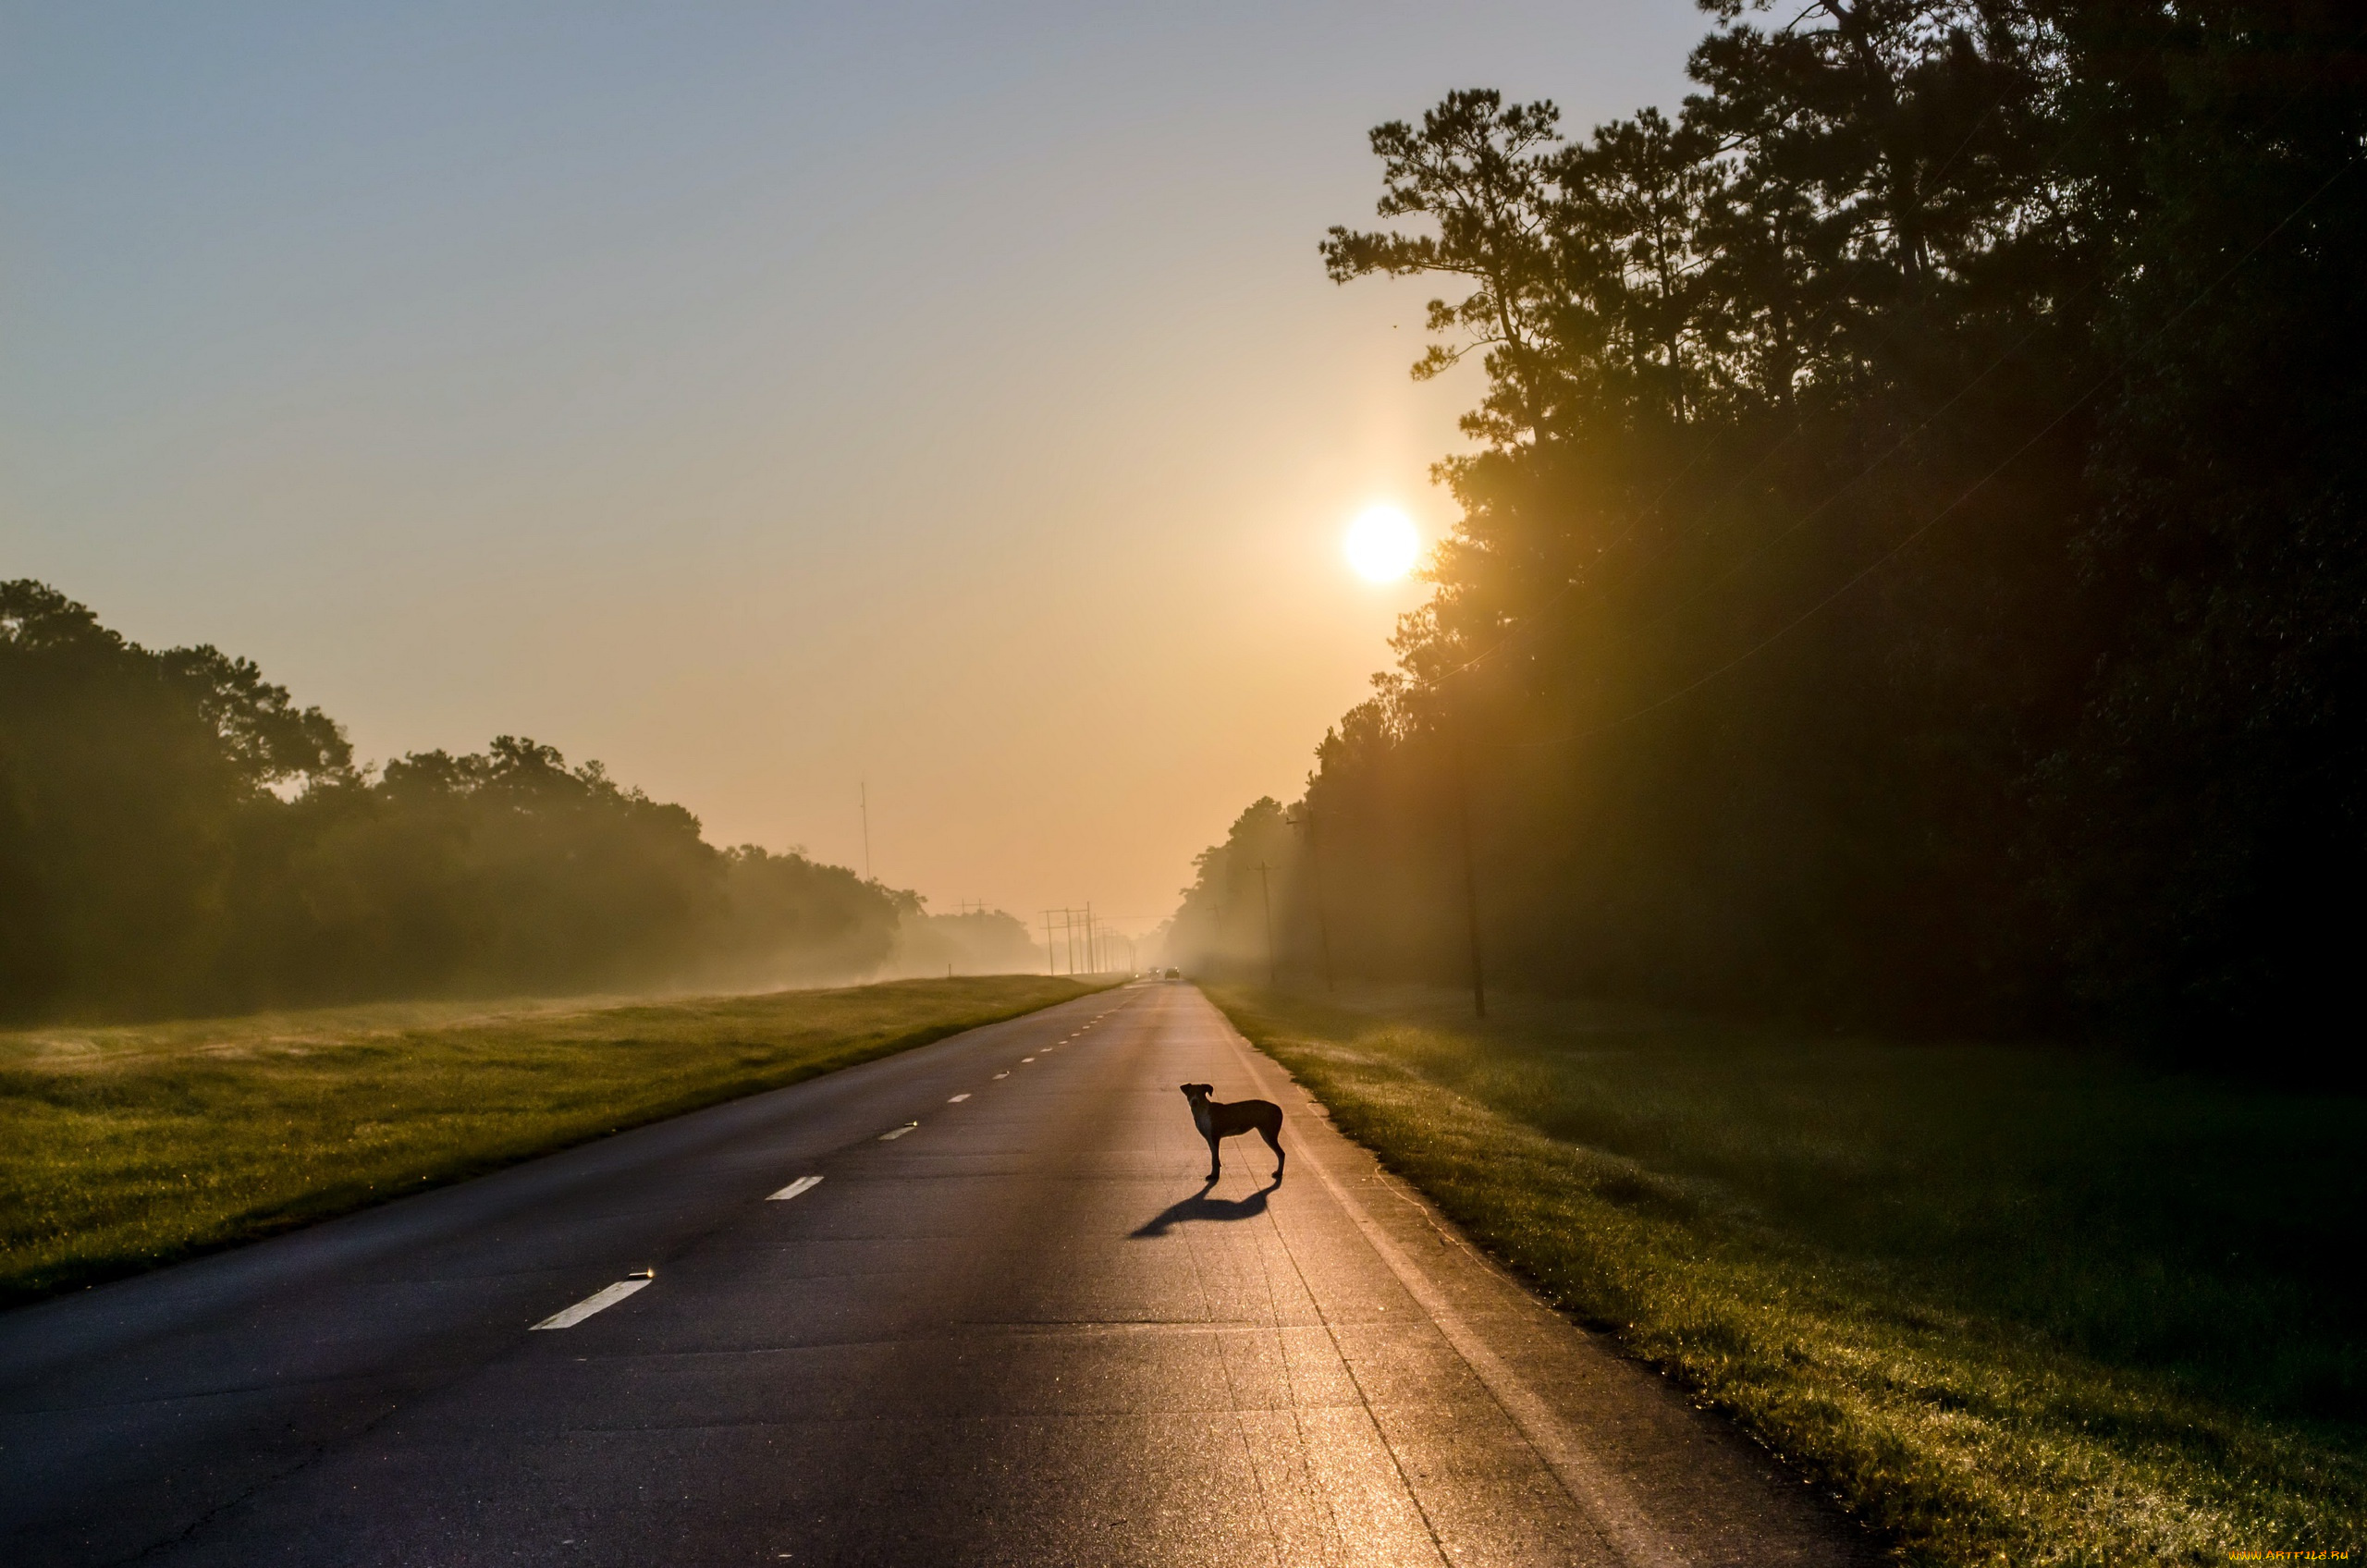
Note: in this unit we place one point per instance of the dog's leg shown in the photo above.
(1274, 1142)
(1216, 1165)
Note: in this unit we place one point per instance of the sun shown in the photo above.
(1382, 544)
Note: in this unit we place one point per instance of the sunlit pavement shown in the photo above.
(1006, 1326)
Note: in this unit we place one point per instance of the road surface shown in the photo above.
(1007, 1326)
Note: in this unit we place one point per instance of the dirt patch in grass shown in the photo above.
(128, 1147)
(2013, 1306)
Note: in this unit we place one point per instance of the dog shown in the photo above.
(1216, 1120)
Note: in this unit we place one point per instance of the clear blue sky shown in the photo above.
(758, 397)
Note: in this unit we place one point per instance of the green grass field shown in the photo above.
(122, 1149)
(2013, 1306)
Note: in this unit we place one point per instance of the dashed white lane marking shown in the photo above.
(598, 1301)
(803, 1184)
(1026, 1059)
(894, 1133)
(1002, 1074)
(957, 1099)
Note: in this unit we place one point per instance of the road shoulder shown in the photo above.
(1665, 1482)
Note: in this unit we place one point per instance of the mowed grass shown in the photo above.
(124, 1149)
(2013, 1306)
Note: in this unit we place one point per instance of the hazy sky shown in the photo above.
(760, 399)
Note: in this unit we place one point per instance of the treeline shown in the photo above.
(1912, 572)
(178, 837)
(976, 941)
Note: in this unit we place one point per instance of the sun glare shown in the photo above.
(1382, 544)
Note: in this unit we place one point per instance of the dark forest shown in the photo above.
(1911, 571)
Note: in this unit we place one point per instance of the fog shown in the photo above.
(179, 837)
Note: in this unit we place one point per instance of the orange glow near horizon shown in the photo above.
(625, 384)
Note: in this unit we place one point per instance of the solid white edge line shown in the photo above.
(1601, 1494)
(803, 1184)
(598, 1301)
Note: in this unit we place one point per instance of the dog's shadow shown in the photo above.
(1199, 1206)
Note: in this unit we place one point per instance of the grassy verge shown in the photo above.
(128, 1147)
(2013, 1306)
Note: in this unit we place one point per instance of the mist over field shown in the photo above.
(181, 838)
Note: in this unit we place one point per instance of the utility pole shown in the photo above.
(1471, 881)
(867, 829)
(1266, 897)
(1092, 962)
(1051, 953)
(1322, 921)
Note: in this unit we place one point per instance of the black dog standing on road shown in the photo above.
(1215, 1121)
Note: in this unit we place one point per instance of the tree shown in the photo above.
(177, 835)
(1911, 568)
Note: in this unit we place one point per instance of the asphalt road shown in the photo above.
(1018, 1333)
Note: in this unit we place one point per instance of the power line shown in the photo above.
(1265, 897)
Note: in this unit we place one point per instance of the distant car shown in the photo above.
(1175, 975)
